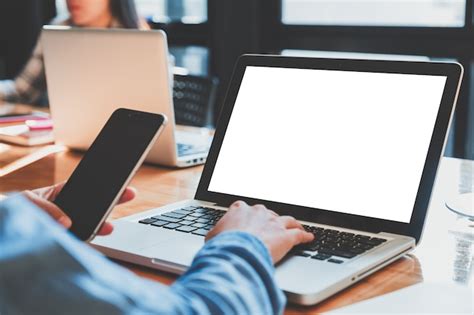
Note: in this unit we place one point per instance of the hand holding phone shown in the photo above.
(107, 167)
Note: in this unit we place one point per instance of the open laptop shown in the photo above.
(92, 72)
(348, 147)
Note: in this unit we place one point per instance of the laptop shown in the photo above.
(348, 147)
(92, 72)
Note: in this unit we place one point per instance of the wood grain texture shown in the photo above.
(158, 186)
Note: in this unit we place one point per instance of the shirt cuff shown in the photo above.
(245, 238)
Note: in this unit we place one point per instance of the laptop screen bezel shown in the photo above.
(452, 71)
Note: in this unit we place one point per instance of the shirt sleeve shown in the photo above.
(30, 85)
(45, 270)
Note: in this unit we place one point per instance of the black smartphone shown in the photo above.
(107, 167)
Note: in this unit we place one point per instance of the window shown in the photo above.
(165, 11)
(61, 8)
(191, 59)
(414, 13)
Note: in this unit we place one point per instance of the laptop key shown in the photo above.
(190, 218)
(321, 256)
(357, 251)
(202, 232)
(365, 246)
(189, 208)
(159, 223)
(371, 242)
(202, 221)
(302, 254)
(361, 237)
(172, 226)
(314, 247)
(199, 225)
(168, 219)
(185, 222)
(147, 221)
(347, 234)
(186, 229)
(311, 246)
(180, 211)
(200, 210)
(347, 243)
(174, 215)
(381, 240)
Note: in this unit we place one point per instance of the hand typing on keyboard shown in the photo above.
(279, 233)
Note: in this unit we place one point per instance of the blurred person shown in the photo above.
(29, 87)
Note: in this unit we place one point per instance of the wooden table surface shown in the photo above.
(442, 255)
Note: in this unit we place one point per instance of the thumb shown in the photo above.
(299, 236)
(54, 211)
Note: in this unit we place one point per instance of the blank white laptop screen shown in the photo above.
(350, 142)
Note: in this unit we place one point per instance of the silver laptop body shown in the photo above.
(92, 72)
(392, 132)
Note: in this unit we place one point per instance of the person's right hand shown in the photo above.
(279, 233)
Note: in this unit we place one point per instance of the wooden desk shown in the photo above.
(442, 256)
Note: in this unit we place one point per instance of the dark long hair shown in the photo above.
(125, 12)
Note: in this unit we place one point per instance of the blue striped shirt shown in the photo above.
(45, 270)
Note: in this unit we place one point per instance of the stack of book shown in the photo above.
(26, 130)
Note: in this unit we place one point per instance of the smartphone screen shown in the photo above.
(106, 167)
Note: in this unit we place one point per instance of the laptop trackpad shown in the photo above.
(133, 237)
(179, 250)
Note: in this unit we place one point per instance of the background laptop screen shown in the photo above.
(350, 142)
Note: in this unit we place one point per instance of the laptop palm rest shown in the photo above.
(160, 245)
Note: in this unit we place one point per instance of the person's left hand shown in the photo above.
(44, 197)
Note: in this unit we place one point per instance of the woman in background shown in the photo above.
(29, 87)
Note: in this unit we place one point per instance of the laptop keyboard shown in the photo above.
(332, 244)
(328, 245)
(189, 149)
(195, 220)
